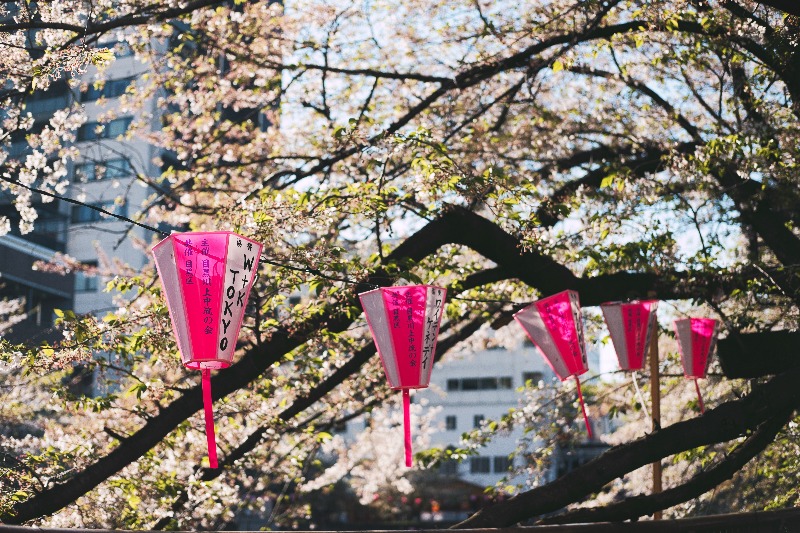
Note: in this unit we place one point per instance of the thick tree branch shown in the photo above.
(639, 164)
(635, 507)
(726, 422)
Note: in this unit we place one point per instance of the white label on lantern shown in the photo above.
(683, 329)
(578, 319)
(164, 255)
(712, 345)
(434, 306)
(616, 328)
(378, 321)
(241, 265)
(652, 329)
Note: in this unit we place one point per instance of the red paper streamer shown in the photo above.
(208, 408)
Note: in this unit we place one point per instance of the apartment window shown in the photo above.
(450, 422)
(487, 384)
(110, 89)
(448, 467)
(103, 170)
(85, 172)
(533, 377)
(116, 168)
(84, 213)
(86, 282)
(474, 384)
(502, 464)
(96, 130)
(470, 384)
(118, 127)
(480, 465)
(476, 421)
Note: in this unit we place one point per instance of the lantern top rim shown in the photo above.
(690, 318)
(568, 291)
(217, 232)
(403, 287)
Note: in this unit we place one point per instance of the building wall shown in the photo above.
(106, 176)
(481, 386)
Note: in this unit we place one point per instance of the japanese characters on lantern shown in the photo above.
(404, 322)
(207, 278)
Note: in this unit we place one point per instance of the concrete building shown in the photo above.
(478, 387)
(472, 388)
(108, 176)
(105, 176)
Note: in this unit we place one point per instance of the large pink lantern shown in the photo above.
(404, 321)
(696, 340)
(207, 279)
(631, 325)
(554, 325)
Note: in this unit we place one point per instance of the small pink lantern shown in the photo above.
(404, 321)
(554, 325)
(696, 340)
(207, 277)
(631, 325)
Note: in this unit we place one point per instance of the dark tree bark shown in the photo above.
(726, 422)
(638, 506)
(787, 6)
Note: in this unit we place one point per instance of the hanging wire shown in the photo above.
(639, 395)
(83, 204)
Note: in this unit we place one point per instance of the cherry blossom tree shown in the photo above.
(505, 150)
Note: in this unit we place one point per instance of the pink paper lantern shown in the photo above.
(696, 340)
(631, 325)
(554, 325)
(207, 277)
(404, 321)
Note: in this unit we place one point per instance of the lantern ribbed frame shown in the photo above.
(207, 278)
(404, 322)
(697, 338)
(555, 327)
(631, 326)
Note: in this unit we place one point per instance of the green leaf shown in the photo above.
(607, 181)
(102, 57)
(558, 65)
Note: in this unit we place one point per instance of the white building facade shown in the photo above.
(477, 387)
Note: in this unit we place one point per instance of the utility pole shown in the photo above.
(655, 409)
